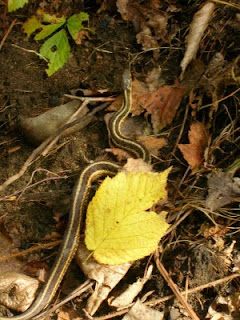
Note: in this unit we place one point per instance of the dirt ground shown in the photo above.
(34, 208)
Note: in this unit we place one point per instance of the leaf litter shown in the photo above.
(163, 39)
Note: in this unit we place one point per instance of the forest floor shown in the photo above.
(190, 109)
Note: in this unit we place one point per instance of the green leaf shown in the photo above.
(31, 25)
(47, 30)
(118, 227)
(16, 4)
(35, 22)
(57, 50)
(75, 24)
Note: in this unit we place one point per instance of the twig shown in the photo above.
(30, 250)
(71, 118)
(175, 289)
(31, 51)
(84, 287)
(43, 145)
(89, 98)
(7, 33)
(194, 290)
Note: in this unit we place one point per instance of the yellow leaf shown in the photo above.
(31, 25)
(118, 229)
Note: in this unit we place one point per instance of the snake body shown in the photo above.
(80, 196)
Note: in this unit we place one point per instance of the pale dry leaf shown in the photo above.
(62, 315)
(153, 144)
(153, 78)
(162, 105)
(106, 277)
(141, 312)
(37, 129)
(225, 308)
(137, 165)
(193, 152)
(223, 188)
(17, 291)
(127, 297)
(197, 29)
(122, 8)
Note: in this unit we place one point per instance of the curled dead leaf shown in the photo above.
(193, 152)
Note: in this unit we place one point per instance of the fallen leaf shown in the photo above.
(107, 277)
(196, 32)
(137, 165)
(193, 152)
(162, 105)
(141, 312)
(153, 144)
(149, 22)
(127, 297)
(118, 229)
(223, 188)
(225, 308)
(17, 291)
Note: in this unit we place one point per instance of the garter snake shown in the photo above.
(79, 201)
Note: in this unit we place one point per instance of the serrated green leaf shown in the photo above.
(16, 4)
(119, 228)
(75, 24)
(31, 25)
(57, 50)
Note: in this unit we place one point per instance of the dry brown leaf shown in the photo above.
(149, 22)
(63, 315)
(120, 154)
(122, 8)
(139, 89)
(152, 144)
(197, 29)
(193, 152)
(162, 104)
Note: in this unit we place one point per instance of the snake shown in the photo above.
(80, 198)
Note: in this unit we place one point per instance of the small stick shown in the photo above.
(175, 289)
(7, 33)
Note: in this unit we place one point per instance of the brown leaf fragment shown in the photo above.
(222, 189)
(193, 152)
(225, 308)
(122, 8)
(139, 89)
(149, 22)
(152, 144)
(162, 105)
